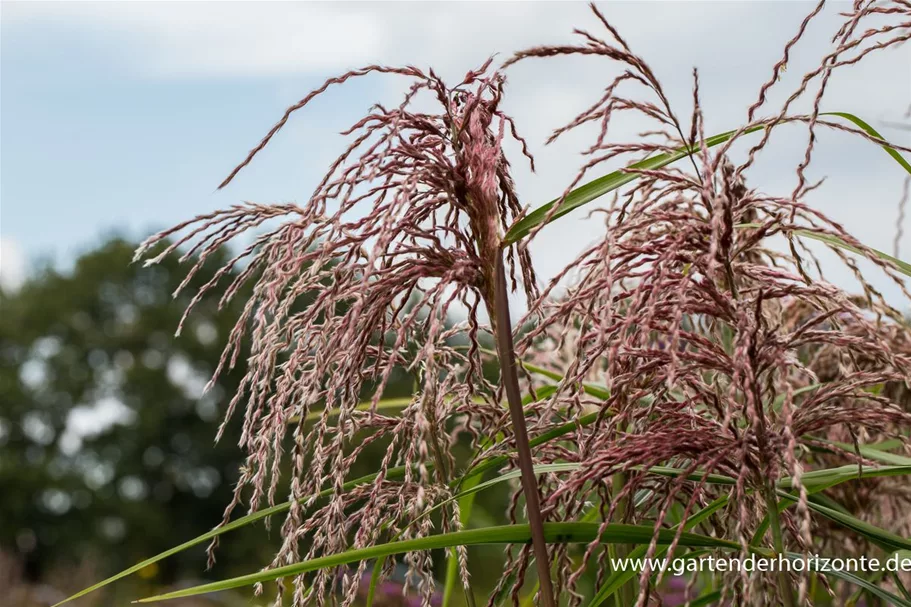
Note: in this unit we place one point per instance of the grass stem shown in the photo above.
(509, 377)
(784, 583)
(627, 593)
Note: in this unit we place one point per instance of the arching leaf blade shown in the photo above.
(604, 185)
(397, 472)
(612, 181)
(871, 131)
(555, 533)
(856, 580)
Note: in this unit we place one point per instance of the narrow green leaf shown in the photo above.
(591, 389)
(716, 479)
(612, 181)
(251, 518)
(618, 578)
(902, 556)
(541, 393)
(887, 445)
(466, 502)
(870, 452)
(857, 581)
(871, 131)
(529, 601)
(492, 463)
(828, 502)
(897, 580)
(394, 404)
(604, 185)
(819, 480)
(374, 580)
(387, 404)
(555, 533)
(814, 481)
(698, 475)
(504, 596)
(881, 537)
(779, 400)
(478, 470)
(393, 473)
(901, 266)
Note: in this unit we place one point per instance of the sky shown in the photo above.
(122, 118)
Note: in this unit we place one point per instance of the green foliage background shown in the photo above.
(79, 507)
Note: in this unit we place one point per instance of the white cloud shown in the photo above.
(734, 44)
(226, 38)
(256, 38)
(12, 265)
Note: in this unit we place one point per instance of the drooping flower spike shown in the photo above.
(706, 335)
(711, 348)
(357, 284)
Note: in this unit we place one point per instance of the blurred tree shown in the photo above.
(106, 440)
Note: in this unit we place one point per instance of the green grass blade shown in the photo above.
(815, 481)
(504, 596)
(882, 538)
(541, 393)
(387, 404)
(590, 388)
(492, 463)
(779, 400)
(555, 533)
(467, 491)
(819, 480)
(887, 445)
(871, 131)
(902, 556)
(398, 472)
(715, 479)
(394, 404)
(617, 579)
(871, 452)
(529, 601)
(604, 185)
(251, 518)
(896, 579)
(851, 578)
(374, 580)
(466, 502)
(828, 502)
(902, 266)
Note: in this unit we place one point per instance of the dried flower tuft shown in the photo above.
(358, 284)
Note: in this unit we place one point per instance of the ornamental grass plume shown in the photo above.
(700, 334)
(405, 225)
(707, 338)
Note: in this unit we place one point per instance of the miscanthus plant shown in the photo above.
(698, 387)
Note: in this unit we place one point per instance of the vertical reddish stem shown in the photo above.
(510, 379)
